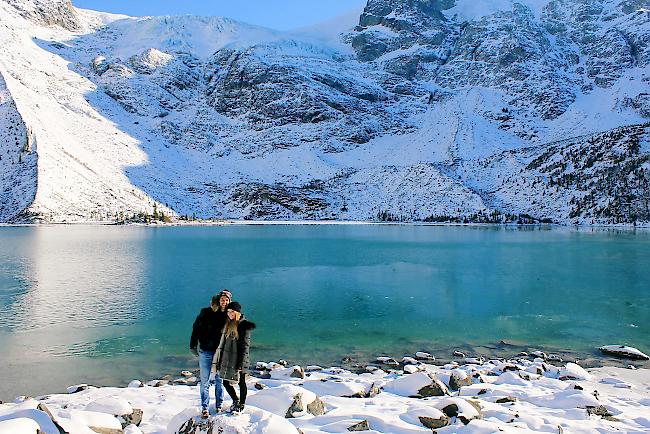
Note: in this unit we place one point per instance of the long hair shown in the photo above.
(230, 329)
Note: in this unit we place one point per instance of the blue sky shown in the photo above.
(276, 14)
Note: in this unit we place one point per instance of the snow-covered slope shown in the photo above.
(450, 110)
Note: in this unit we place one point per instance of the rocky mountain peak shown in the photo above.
(49, 12)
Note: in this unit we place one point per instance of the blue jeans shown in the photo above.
(205, 364)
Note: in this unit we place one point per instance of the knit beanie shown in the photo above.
(233, 305)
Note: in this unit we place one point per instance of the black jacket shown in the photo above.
(232, 354)
(206, 331)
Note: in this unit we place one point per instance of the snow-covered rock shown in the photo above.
(573, 371)
(624, 351)
(337, 388)
(94, 420)
(19, 425)
(110, 405)
(419, 384)
(287, 401)
(459, 378)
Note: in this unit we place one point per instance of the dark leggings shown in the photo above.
(242, 389)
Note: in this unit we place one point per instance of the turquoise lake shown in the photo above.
(107, 304)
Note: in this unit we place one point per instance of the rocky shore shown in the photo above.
(528, 392)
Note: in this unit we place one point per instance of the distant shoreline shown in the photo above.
(625, 226)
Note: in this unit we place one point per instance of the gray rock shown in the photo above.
(361, 426)
(134, 418)
(373, 391)
(451, 410)
(456, 382)
(506, 399)
(436, 388)
(433, 423)
(298, 372)
(315, 408)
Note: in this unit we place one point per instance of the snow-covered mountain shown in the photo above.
(437, 110)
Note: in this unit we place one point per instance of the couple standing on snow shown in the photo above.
(221, 340)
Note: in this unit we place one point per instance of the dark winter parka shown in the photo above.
(231, 356)
(206, 330)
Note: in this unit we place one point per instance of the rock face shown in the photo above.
(18, 160)
(438, 111)
(49, 12)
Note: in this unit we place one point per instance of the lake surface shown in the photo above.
(107, 304)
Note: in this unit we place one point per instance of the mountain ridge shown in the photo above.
(278, 125)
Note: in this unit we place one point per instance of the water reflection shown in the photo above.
(77, 276)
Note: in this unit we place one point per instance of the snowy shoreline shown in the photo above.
(530, 392)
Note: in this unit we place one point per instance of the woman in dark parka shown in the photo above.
(231, 358)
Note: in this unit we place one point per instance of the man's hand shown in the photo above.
(194, 351)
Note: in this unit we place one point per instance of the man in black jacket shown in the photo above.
(206, 334)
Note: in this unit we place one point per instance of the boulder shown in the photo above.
(434, 423)
(297, 372)
(285, 373)
(421, 355)
(118, 407)
(506, 399)
(110, 405)
(458, 379)
(288, 401)
(373, 391)
(346, 389)
(624, 351)
(462, 409)
(602, 411)
(99, 422)
(539, 354)
(573, 371)
(134, 418)
(21, 425)
(387, 361)
(34, 411)
(313, 368)
(135, 384)
(411, 369)
(77, 388)
(417, 385)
